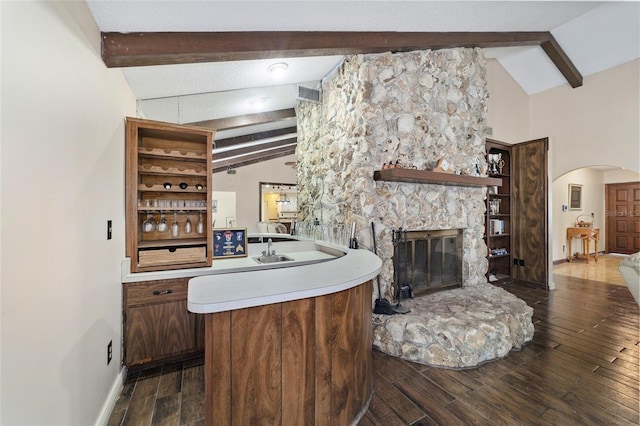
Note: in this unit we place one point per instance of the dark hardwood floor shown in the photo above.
(169, 395)
(581, 368)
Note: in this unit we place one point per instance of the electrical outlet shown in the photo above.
(109, 229)
(564, 249)
(109, 351)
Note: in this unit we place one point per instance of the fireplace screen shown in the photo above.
(429, 261)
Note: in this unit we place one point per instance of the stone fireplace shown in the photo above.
(410, 110)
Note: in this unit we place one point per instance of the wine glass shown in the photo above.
(162, 224)
(149, 225)
(200, 226)
(175, 229)
(187, 225)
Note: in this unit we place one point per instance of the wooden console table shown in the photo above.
(586, 235)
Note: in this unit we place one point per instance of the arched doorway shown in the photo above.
(593, 180)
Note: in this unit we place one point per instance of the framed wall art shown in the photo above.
(229, 242)
(575, 196)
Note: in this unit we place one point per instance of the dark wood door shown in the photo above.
(529, 215)
(622, 217)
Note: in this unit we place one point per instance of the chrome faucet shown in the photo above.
(268, 252)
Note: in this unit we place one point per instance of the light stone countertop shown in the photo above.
(302, 252)
(243, 289)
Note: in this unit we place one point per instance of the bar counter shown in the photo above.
(289, 345)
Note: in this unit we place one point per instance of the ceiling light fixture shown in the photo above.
(282, 198)
(278, 68)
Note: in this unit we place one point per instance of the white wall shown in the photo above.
(225, 207)
(593, 125)
(507, 106)
(62, 178)
(621, 176)
(245, 183)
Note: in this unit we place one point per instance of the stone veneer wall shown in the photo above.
(416, 108)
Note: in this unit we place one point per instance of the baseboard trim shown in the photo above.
(114, 393)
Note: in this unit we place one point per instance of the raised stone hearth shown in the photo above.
(460, 328)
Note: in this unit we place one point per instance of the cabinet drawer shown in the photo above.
(172, 256)
(155, 292)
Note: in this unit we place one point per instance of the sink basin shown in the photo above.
(272, 259)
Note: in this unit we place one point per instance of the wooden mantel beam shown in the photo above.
(164, 48)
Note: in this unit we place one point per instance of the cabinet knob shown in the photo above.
(159, 293)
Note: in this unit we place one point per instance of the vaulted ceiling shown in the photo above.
(206, 62)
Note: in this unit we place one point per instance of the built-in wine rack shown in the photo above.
(168, 195)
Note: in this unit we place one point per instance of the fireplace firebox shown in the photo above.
(427, 261)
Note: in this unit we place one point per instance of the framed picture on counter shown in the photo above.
(229, 242)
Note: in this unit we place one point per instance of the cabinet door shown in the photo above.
(530, 201)
(157, 331)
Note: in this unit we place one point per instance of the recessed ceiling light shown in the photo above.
(278, 68)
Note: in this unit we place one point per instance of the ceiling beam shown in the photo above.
(237, 140)
(254, 158)
(254, 148)
(245, 120)
(163, 48)
(562, 62)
